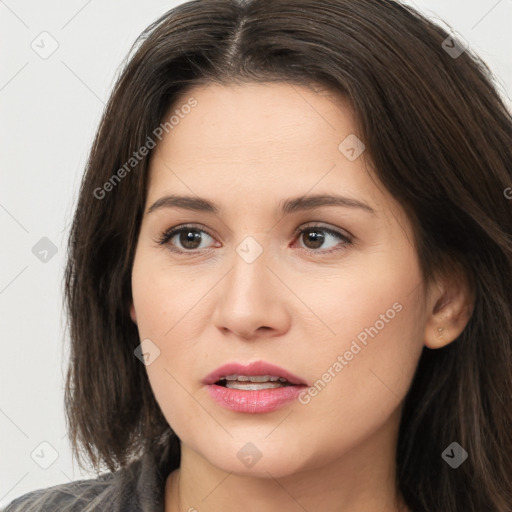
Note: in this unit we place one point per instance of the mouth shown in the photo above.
(253, 382)
(253, 376)
(257, 387)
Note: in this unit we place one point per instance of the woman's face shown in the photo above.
(339, 305)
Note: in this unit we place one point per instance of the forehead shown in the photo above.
(261, 141)
(258, 120)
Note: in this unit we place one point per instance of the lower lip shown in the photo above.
(254, 401)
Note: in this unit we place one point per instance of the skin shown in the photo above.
(247, 148)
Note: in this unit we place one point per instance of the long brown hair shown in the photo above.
(440, 140)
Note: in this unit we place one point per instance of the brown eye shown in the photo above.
(320, 239)
(313, 238)
(184, 239)
(189, 239)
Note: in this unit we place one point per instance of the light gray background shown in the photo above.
(49, 110)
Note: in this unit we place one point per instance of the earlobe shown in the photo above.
(450, 310)
(133, 314)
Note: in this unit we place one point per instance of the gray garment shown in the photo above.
(137, 488)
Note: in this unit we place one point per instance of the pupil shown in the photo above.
(316, 238)
(188, 239)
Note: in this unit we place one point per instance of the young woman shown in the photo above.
(289, 275)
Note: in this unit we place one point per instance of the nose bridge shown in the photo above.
(249, 298)
(249, 272)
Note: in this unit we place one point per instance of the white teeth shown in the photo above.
(256, 378)
(236, 377)
(233, 384)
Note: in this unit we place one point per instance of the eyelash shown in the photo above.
(167, 235)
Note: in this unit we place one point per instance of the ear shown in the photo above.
(133, 314)
(450, 305)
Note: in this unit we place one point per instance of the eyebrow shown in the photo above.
(289, 206)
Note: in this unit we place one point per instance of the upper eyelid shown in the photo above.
(311, 224)
(342, 233)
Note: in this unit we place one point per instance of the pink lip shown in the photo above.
(255, 369)
(260, 401)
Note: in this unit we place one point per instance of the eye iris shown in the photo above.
(316, 237)
(189, 238)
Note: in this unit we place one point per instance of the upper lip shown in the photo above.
(257, 368)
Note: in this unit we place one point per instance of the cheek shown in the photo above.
(363, 372)
(163, 297)
(164, 304)
(169, 305)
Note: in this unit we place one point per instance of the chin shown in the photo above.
(274, 466)
(255, 459)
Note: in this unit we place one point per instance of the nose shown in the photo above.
(252, 301)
